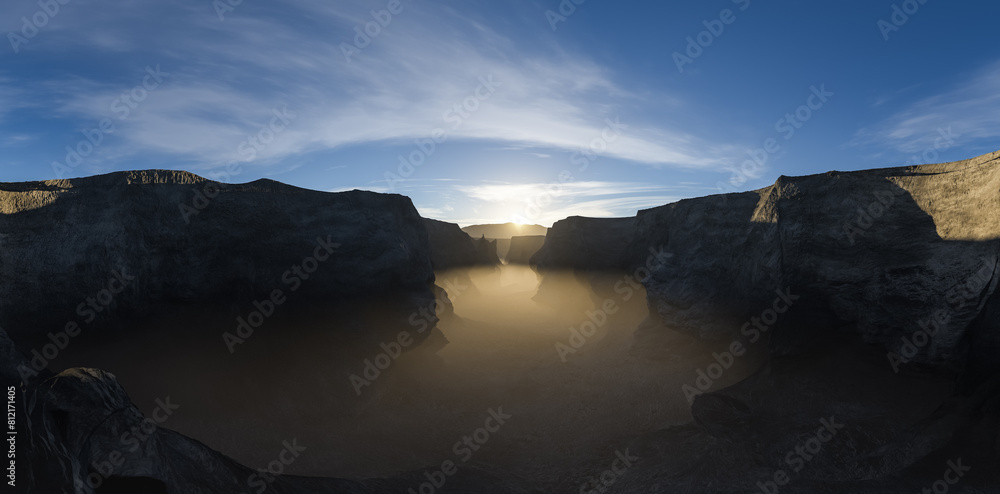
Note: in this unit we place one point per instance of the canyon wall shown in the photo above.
(874, 295)
(112, 246)
(451, 247)
(882, 253)
(107, 251)
(523, 247)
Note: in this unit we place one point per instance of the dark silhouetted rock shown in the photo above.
(875, 292)
(162, 238)
(882, 251)
(502, 234)
(523, 247)
(587, 243)
(503, 230)
(451, 247)
(176, 237)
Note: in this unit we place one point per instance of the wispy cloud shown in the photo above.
(225, 81)
(11, 97)
(545, 204)
(605, 208)
(573, 190)
(970, 109)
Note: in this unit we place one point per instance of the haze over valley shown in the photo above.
(474, 247)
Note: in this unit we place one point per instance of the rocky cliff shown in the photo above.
(884, 252)
(102, 252)
(503, 230)
(587, 243)
(875, 296)
(92, 249)
(522, 247)
(451, 247)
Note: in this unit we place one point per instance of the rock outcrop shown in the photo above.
(92, 249)
(104, 251)
(503, 230)
(875, 293)
(523, 247)
(501, 234)
(452, 248)
(588, 243)
(885, 252)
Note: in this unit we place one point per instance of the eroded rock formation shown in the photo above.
(876, 292)
(100, 252)
(451, 247)
(523, 247)
(156, 236)
(885, 252)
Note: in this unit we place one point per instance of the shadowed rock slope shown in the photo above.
(860, 264)
(522, 247)
(102, 252)
(167, 236)
(881, 250)
(502, 234)
(452, 248)
(876, 292)
(504, 230)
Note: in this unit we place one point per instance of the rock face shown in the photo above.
(501, 234)
(114, 245)
(487, 249)
(523, 247)
(884, 252)
(588, 243)
(101, 250)
(504, 230)
(876, 292)
(451, 247)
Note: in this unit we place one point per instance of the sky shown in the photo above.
(486, 111)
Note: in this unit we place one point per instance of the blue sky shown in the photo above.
(499, 111)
